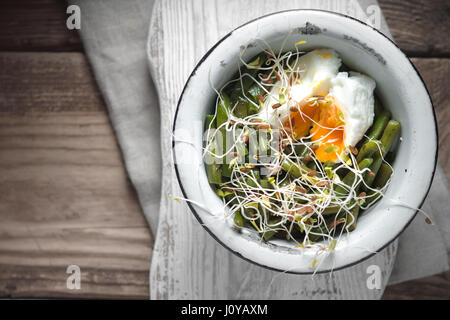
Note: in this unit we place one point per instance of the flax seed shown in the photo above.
(312, 173)
(263, 126)
(276, 106)
(301, 211)
(323, 184)
(300, 189)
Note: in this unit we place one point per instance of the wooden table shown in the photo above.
(64, 194)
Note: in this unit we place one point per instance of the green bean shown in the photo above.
(368, 149)
(241, 109)
(382, 117)
(331, 210)
(256, 63)
(265, 184)
(269, 234)
(223, 106)
(381, 179)
(294, 169)
(238, 219)
(328, 164)
(315, 237)
(234, 92)
(390, 157)
(250, 182)
(244, 86)
(350, 176)
(312, 165)
(254, 91)
(214, 173)
(254, 173)
(383, 176)
(378, 108)
(300, 150)
(209, 121)
(252, 109)
(374, 167)
(350, 222)
(390, 135)
(381, 120)
(286, 182)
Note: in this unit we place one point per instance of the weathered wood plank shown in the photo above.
(28, 25)
(433, 288)
(420, 27)
(65, 199)
(17, 281)
(435, 73)
(47, 82)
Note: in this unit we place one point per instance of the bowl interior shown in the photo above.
(400, 90)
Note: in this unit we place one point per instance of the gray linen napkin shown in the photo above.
(114, 34)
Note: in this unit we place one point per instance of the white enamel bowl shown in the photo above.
(400, 89)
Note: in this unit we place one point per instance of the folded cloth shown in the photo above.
(114, 34)
(187, 263)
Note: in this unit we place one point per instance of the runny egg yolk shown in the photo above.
(324, 122)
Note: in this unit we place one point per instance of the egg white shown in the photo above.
(353, 94)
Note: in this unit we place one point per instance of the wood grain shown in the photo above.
(65, 199)
(430, 288)
(420, 27)
(46, 82)
(28, 25)
(64, 194)
(436, 74)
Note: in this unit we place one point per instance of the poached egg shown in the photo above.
(334, 109)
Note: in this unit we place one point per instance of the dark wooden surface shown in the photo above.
(64, 194)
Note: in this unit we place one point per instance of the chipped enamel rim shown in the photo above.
(400, 88)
